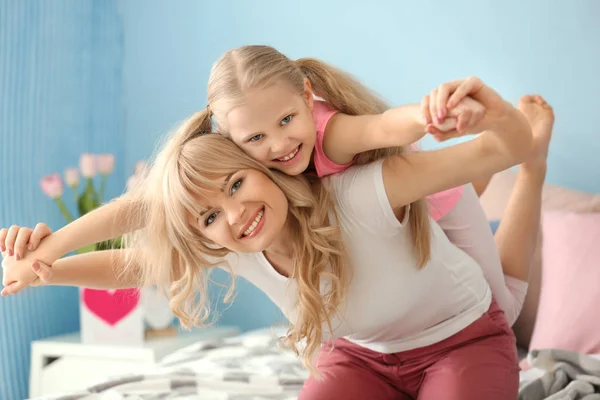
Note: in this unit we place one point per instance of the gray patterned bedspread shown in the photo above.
(247, 367)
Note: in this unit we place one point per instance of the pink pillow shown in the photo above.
(568, 315)
(554, 197)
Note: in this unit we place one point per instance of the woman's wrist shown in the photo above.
(51, 248)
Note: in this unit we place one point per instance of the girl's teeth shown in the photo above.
(254, 224)
(289, 156)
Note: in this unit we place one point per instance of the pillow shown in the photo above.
(554, 197)
(494, 201)
(569, 313)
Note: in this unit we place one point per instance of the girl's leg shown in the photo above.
(506, 258)
(483, 366)
(519, 228)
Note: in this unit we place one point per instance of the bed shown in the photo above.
(254, 366)
(251, 366)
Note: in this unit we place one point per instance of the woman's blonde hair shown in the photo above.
(256, 67)
(172, 253)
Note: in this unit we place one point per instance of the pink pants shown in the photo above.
(479, 362)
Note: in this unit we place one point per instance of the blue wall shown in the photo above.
(401, 49)
(60, 88)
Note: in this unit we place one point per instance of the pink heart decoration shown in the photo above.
(111, 307)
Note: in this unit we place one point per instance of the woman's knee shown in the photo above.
(482, 370)
(349, 382)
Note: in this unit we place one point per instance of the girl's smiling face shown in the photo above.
(275, 126)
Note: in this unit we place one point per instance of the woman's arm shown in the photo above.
(106, 222)
(108, 269)
(505, 142)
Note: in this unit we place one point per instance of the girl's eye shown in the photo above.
(210, 219)
(256, 138)
(236, 185)
(287, 120)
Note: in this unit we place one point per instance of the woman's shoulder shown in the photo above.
(361, 200)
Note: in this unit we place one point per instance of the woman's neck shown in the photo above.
(279, 253)
(282, 246)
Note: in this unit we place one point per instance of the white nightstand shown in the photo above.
(63, 363)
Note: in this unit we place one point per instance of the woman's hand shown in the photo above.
(460, 120)
(445, 101)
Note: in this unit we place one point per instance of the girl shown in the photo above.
(264, 101)
(393, 339)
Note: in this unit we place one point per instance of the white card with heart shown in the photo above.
(113, 317)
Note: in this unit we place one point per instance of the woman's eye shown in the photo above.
(256, 138)
(287, 120)
(236, 185)
(210, 219)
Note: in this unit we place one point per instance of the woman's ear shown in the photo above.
(308, 94)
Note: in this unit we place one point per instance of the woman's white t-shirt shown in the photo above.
(391, 305)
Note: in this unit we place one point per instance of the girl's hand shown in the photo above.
(17, 271)
(439, 104)
(461, 119)
(17, 240)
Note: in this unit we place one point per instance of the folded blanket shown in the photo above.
(568, 376)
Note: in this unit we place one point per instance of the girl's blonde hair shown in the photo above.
(172, 253)
(256, 67)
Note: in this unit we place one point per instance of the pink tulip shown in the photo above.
(140, 169)
(88, 165)
(52, 186)
(72, 177)
(106, 163)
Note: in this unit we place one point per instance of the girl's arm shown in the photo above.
(348, 135)
(104, 223)
(506, 141)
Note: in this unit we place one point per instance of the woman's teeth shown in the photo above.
(290, 156)
(254, 224)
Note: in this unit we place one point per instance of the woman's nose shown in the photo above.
(235, 212)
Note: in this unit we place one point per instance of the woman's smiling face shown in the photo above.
(245, 214)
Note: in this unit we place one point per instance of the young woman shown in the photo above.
(265, 102)
(339, 258)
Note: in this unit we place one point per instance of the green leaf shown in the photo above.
(110, 244)
(86, 249)
(89, 199)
